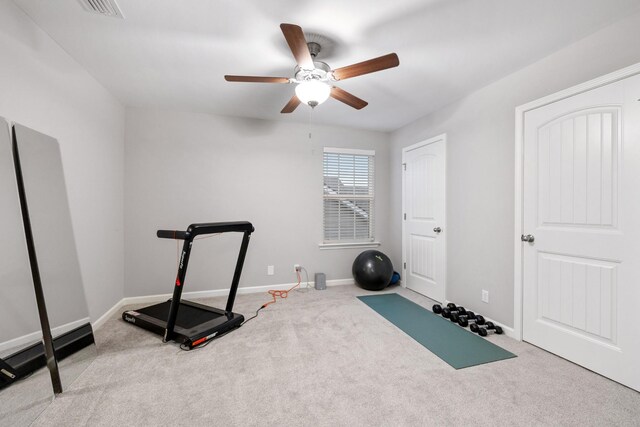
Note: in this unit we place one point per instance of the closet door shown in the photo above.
(582, 229)
(424, 229)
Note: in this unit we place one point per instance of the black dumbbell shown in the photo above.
(447, 312)
(483, 331)
(470, 317)
(475, 327)
(437, 308)
(455, 316)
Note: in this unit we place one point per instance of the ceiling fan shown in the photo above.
(314, 79)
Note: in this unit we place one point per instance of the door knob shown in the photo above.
(437, 230)
(527, 238)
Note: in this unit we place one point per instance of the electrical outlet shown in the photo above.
(485, 296)
(270, 270)
(296, 267)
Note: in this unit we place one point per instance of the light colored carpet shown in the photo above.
(23, 401)
(323, 358)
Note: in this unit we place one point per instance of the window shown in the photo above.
(348, 196)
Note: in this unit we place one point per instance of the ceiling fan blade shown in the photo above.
(291, 105)
(256, 79)
(298, 45)
(347, 98)
(376, 64)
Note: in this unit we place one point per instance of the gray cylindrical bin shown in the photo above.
(321, 281)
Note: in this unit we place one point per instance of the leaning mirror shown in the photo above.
(25, 385)
(49, 216)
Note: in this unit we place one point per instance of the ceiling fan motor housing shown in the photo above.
(321, 72)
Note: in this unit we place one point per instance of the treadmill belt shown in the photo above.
(188, 316)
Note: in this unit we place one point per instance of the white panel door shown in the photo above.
(581, 272)
(424, 249)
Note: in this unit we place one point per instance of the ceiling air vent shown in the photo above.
(103, 7)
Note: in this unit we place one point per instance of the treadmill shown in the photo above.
(185, 322)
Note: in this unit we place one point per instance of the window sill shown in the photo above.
(346, 245)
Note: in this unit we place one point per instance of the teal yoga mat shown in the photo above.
(458, 347)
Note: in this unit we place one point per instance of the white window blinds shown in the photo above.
(348, 195)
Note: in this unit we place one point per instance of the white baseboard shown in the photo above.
(33, 337)
(111, 312)
(149, 299)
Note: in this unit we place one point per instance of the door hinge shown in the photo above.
(405, 265)
(404, 166)
(405, 216)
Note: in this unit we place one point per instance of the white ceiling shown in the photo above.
(174, 54)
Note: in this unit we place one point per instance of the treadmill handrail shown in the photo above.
(172, 234)
(207, 228)
(194, 230)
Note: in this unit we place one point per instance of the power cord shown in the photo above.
(306, 288)
(275, 294)
(254, 316)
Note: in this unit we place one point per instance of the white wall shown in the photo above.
(184, 168)
(45, 89)
(480, 164)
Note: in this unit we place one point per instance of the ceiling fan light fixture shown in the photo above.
(313, 92)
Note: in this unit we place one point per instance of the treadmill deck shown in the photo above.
(194, 321)
(188, 316)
